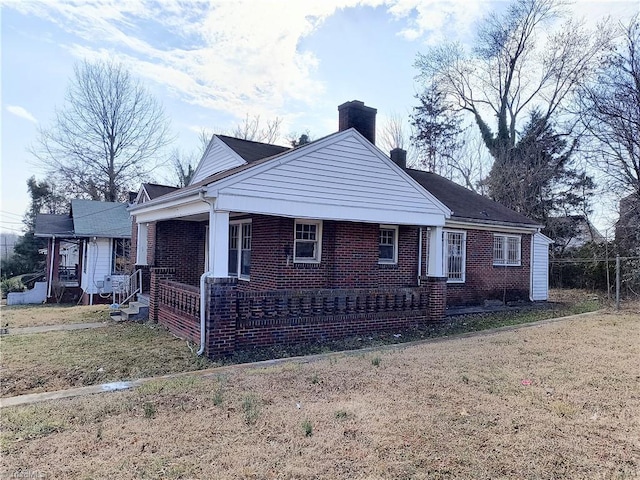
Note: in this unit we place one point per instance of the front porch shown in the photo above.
(239, 320)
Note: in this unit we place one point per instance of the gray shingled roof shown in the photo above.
(465, 204)
(155, 190)
(49, 225)
(252, 151)
(100, 219)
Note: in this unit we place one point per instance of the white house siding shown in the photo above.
(217, 158)
(540, 267)
(98, 264)
(346, 179)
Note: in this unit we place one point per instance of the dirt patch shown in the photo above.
(554, 401)
(18, 316)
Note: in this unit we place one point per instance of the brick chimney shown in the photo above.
(355, 114)
(399, 157)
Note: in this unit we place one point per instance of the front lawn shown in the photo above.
(19, 316)
(558, 400)
(63, 359)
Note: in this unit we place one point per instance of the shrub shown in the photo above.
(11, 285)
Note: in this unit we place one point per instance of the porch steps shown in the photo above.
(135, 311)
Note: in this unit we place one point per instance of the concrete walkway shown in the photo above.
(215, 371)
(54, 328)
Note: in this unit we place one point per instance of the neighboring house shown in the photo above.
(88, 251)
(270, 244)
(628, 225)
(573, 231)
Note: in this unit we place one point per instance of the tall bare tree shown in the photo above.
(395, 132)
(251, 128)
(610, 108)
(106, 137)
(515, 68)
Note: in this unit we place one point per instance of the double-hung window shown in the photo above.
(454, 256)
(506, 250)
(240, 249)
(388, 244)
(307, 241)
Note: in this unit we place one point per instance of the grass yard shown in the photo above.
(63, 359)
(560, 400)
(18, 316)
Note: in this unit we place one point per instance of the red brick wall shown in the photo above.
(484, 281)
(347, 326)
(349, 257)
(181, 325)
(180, 245)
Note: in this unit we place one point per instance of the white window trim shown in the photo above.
(318, 223)
(239, 260)
(445, 256)
(393, 261)
(505, 244)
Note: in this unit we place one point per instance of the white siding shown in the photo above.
(345, 177)
(99, 264)
(218, 158)
(540, 267)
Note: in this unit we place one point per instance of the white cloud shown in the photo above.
(240, 56)
(21, 112)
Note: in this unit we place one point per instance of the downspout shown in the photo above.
(419, 255)
(203, 284)
(53, 253)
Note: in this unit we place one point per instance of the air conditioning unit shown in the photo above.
(107, 284)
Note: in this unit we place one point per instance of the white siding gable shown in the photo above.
(217, 158)
(342, 177)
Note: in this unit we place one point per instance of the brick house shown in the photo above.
(270, 244)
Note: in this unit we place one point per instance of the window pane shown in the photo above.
(386, 252)
(306, 231)
(245, 267)
(246, 236)
(306, 250)
(233, 236)
(514, 250)
(455, 266)
(233, 262)
(498, 251)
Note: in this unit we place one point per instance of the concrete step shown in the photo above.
(136, 311)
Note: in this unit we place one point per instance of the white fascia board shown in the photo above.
(282, 208)
(172, 210)
(295, 154)
(506, 228)
(214, 140)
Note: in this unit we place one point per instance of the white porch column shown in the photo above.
(436, 253)
(219, 243)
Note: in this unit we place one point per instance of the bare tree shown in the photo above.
(394, 132)
(251, 128)
(515, 69)
(610, 108)
(106, 137)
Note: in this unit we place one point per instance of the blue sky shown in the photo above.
(212, 62)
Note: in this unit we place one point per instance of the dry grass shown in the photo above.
(452, 409)
(18, 316)
(63, 359)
